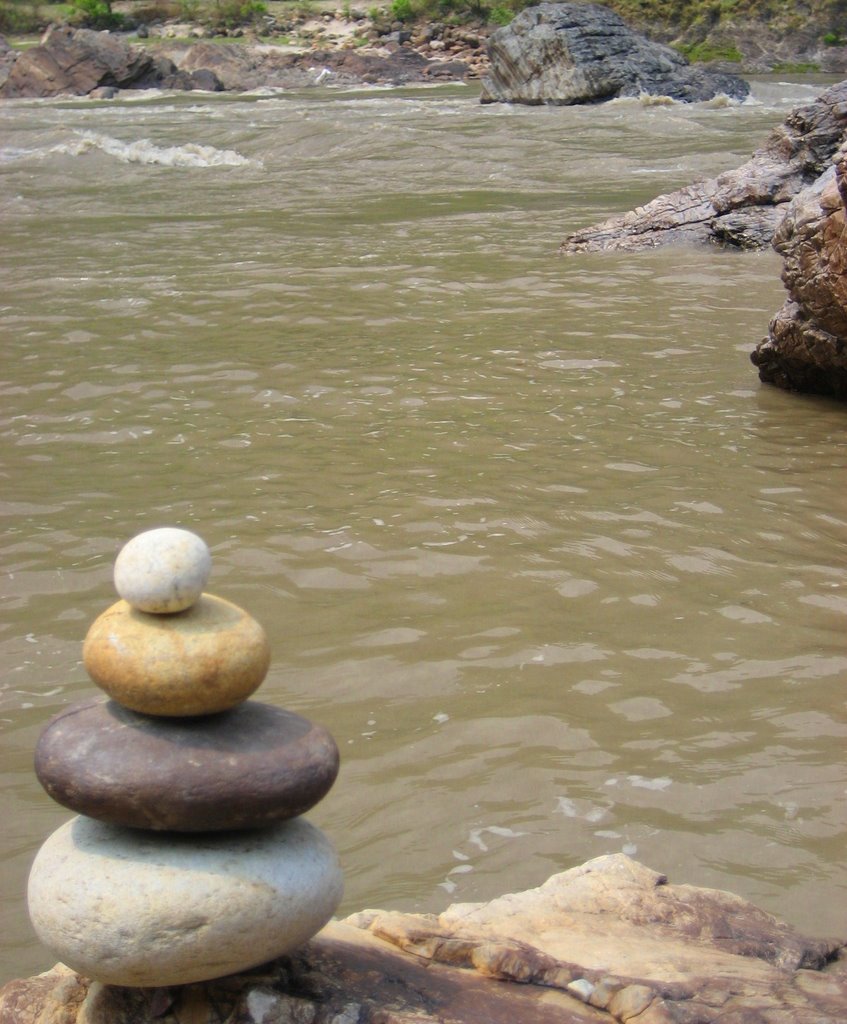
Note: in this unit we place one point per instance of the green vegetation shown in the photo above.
(403, 10)
(501, 15)
(223, 14)
(95, 14)
(686, 18)
(20, 19)
(453, 11)
(703, 30)
(217, 15)
(705, 51)
(24, 17)
(788, 68)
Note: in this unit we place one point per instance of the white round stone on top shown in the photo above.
(163, 570)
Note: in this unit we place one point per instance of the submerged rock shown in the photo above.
(584, 53)
(806, 347)
(610, 941)
(742, 207)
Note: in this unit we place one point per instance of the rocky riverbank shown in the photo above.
(792, 193)
(609, 942)
(299, 46)
(317, 49)
(741, 207)
(81, 62)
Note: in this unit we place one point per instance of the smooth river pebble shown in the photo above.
(207, 658)
(163, 571)
(153, 909)
(245, 768)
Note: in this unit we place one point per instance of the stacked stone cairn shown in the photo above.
(188, 858)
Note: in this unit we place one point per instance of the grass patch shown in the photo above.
(21, 18)
(690, 19)
(788, 68)
(96, 14)
(702, 53)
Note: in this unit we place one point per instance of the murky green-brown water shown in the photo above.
(526, 533)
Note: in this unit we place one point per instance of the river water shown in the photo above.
(525, 531)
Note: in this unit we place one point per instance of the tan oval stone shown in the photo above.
(205, 659)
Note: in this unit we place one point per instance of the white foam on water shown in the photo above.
(143, 151)
(722, 100)
(571, 809)
(9, 154)
(641, 783)
(647, 99)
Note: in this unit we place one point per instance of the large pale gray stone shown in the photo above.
(127, 907)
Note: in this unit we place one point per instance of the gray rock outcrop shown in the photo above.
(584, 53)
(742, 207)
(806, 347)
(610, 942)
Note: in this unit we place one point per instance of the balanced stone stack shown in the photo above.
(189, 858)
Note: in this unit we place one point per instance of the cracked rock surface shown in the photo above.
(806, 346)
(609, 942)
(741, 207)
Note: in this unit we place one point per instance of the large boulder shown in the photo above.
(806, 347)
(76, 62)
(610, 942)
(584, 53)
(741, 207)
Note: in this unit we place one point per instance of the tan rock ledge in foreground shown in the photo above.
(610, 941)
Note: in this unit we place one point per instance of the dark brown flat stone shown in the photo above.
(244, 768)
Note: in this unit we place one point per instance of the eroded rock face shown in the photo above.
(610, 941)
(78, 62)
(74, 62)
(806, 347)
(584, 53)
(742, 207)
